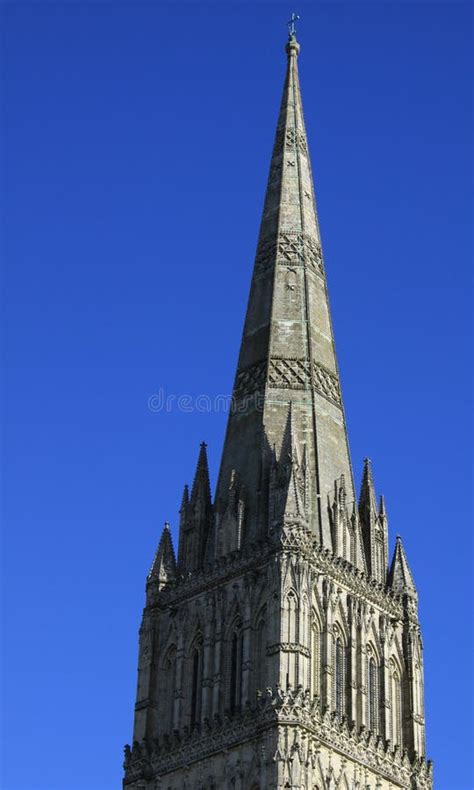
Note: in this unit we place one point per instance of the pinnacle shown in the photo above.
(185, 498)
(201, 484)
(164, 563)
(367, 498)
(400, 577)
(288, 447)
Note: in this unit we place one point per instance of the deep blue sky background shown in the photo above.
(136, 141)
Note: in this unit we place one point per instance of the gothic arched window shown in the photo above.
(236, 660)
(339, 676)
(372, 694)
(292, 622)
(196, 680)
(291, 637)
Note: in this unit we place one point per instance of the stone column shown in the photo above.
(326, 657)
(384, 700)
(207, 679)
(246, 654)
(363, 666)
(178, 712)
(352, 653)
(304, 639)
(145, 673)
(217, 678)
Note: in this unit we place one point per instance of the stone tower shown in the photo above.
(279, 650)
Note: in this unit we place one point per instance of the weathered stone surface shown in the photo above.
(278, 652)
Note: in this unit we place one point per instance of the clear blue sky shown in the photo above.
(136, 141)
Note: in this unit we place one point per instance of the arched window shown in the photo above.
(196, 681)
(236, 671)
(292, 622)
(291, 636)
(339, 676)
(372, 692)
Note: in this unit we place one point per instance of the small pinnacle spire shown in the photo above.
(382, 510)
(400, 577)
(289, 450)
(201, 484)
(184, 499)
(373, 526)
(164, 563)
(367, 498)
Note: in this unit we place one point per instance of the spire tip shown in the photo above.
(292, 46)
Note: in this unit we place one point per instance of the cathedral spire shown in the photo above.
(280, 613)
(287, 352)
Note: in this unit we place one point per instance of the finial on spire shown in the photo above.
(292, 47)
(291, 25)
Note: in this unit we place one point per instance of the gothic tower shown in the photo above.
(279, 650)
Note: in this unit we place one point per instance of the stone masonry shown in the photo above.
(279, 650)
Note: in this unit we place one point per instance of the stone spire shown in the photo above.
(279, 614)
(374, 526)
(164, 564)
(201, 490)
(287, 352)
(195, 526)
(400, 577)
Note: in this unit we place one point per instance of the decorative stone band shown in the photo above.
(250, 380)
(255, 555)
(294, 374)
(288, 647)
(290, 248)
(294, 707)
(292, 139)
